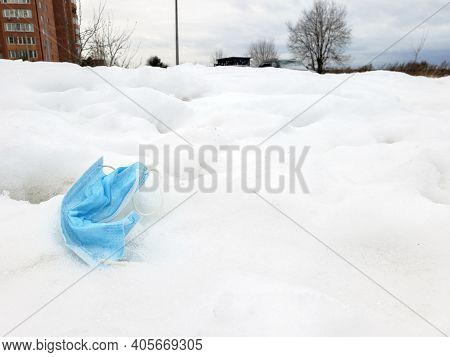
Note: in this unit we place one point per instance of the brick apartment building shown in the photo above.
(39, 30)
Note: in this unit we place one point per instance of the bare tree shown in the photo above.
(102, 40)
(113, 44)
(218, 54)
(418, 47)
(320, 35)
(261, 51)
(90, 30)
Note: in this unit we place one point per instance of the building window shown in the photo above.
(22, 54)
(22, 40)
(17, 13)
(19, 27)
(15, 1)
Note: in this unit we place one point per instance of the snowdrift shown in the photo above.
(229, 264)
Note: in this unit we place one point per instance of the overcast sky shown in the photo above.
(206, 25)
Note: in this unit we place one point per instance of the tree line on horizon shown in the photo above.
(318, 39)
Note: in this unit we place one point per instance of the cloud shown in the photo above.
(232, 24)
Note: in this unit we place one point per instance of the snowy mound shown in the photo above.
(230, 264)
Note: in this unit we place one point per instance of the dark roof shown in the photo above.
(233, 61)
(232, 58)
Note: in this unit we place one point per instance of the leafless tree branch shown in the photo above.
(418, 47)
(217, 55)
(262, 50)
(90, 30)
(102, 40)
(320, 36)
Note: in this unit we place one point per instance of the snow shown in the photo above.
(230, 264)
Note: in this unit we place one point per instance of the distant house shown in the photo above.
(233, 61)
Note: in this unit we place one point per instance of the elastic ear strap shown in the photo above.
(133, 199)
(109, 167)
(144, 214)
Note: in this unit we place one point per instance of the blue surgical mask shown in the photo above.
(89, 208)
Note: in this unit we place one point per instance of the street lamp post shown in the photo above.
(177, 45)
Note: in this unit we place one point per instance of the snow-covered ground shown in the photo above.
(230, 264)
